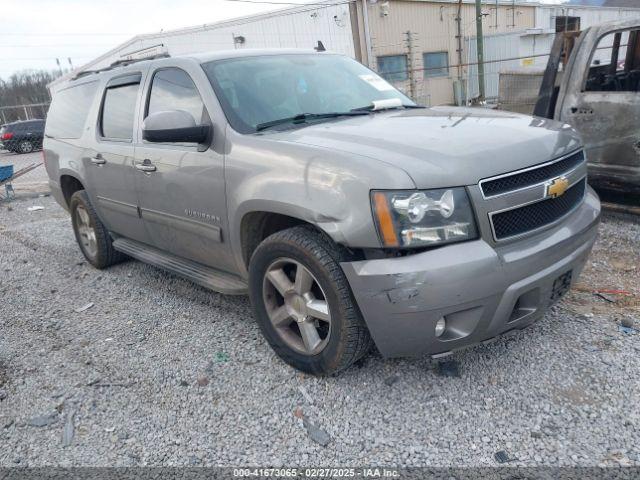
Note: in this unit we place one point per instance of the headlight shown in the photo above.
(424, 217)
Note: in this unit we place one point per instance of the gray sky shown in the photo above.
(34, 32)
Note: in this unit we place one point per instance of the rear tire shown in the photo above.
(25, 146)
(92, 236)
(310, 318)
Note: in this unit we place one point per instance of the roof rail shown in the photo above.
(119, 63)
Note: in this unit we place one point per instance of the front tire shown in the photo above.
(92, 236)
(303, 303)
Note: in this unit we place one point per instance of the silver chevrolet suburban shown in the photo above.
(351, 215)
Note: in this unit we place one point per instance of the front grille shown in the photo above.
(536, 215)
(534, 176)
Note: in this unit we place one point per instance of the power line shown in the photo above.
(26, 59)
(39, 45)
(88, 34)
(267, 2)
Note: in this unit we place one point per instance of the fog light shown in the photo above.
(441, 324)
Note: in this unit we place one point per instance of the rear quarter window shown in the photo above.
(69, 110)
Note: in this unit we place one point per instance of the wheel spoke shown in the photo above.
(280, 280)
(309, 334)
(294, 297)
(318, 309)
(304, 280)
(280, 317)
(84, 216)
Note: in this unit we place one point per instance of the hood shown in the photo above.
(443, 146)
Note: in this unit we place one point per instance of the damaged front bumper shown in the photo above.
(481, 291)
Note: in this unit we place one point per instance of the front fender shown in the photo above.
(320, 186)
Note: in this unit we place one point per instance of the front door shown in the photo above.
(601, 99)
(181, 188)
(109, 162)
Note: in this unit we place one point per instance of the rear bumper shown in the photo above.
(56, 193)
(481, 291)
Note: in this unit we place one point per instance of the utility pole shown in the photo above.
(410, 73)
(367, 33)
(459, 38)
(480, 51)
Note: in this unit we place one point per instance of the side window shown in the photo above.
(173, 89)
(69, 110)
(615, 63)
(118, 111)
(436, 64)
(393, 67)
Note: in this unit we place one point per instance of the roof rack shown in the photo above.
(120, 63)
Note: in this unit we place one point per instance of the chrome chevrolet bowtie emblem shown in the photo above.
(557, 187)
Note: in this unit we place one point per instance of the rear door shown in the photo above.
(109, 164)
(183, 202)
(600, 97)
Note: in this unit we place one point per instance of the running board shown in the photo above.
(202, 275)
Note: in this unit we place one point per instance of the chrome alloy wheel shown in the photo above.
(297, 306)
(86, 233)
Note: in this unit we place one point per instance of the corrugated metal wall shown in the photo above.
(499, 50)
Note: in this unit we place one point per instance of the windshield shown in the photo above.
(258, 90)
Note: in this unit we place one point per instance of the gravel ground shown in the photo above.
(157, 371)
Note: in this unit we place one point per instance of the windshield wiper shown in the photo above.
(373, 108)
(303, 117)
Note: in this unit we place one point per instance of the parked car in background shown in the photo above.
(597, 92)
(349, 214)
(23, 136)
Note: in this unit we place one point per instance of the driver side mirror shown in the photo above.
(174, 126)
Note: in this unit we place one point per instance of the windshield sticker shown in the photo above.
(376, 82)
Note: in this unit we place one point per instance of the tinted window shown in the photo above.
(173, 89)
(393, 67)
(118, 111)
(33, 125)
(69, 110)
(436, 64)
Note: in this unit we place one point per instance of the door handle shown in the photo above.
(146, 166)
(98, 160)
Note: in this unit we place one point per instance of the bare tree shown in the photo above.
(25, 88)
